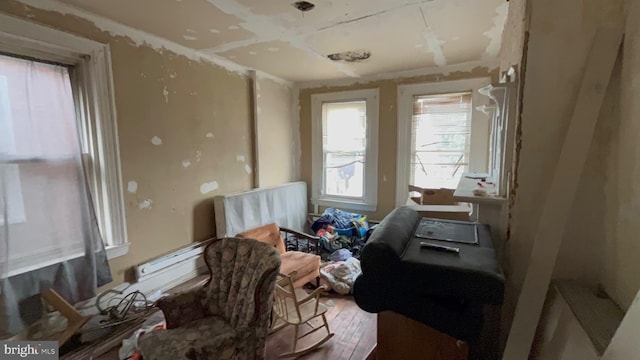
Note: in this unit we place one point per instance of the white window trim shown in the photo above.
(92, 64)
(368, 202)
(479, 123)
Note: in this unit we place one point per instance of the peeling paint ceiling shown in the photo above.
(274, 37)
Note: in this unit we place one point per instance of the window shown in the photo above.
(344, 149)
(71, 79)
(440, 139)
(440, 134)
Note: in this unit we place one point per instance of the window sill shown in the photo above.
(117, 251)
(344, 204)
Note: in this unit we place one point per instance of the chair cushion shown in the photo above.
(210, 337)
(269, 233)
(300, 262)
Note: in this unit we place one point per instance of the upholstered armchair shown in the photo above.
(229, 316)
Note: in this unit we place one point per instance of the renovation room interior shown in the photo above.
(199, 100)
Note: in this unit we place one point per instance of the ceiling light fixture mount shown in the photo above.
(350, 56)
(303, 5)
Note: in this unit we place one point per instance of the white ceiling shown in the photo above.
(273, 36)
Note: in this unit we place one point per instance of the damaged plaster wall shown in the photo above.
(181, 124)
(276, 132)
(513, 35)
(387, 128)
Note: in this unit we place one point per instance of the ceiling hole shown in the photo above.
(350, 56)
(303, 5)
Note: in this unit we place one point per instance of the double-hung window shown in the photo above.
(60, 85)
(344, 149)
(440, 139)
(441, 134)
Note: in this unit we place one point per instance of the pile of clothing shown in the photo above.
(339, 230)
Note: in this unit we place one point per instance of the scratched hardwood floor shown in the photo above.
(354, 333)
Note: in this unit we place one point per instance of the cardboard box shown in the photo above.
(433, 196)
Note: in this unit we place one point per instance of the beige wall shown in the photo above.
(621, 248)
(557, 52)
(201, 98)
(276, 134)
(387, 128)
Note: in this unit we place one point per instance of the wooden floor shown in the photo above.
(354, 329)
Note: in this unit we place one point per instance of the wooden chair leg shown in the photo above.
(295, 338)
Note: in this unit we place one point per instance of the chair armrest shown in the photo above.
(314, 294)
(302, 236)
(183, 308)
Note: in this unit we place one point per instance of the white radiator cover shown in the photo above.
(285, 205)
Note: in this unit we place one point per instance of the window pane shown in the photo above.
(441, 134)
(39, 162)
(344, 141)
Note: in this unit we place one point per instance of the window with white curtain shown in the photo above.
(56, 94)
(344, 149)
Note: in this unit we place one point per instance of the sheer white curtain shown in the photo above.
(49, 236)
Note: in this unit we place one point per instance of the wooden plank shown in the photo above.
(255, 127)
(75, 320)
(557, 207)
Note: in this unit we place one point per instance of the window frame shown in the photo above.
(92, 84)
(478, 159)
(368, 202)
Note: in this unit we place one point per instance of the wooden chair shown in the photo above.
(294, 306)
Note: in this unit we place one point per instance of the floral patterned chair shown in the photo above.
(229, 316)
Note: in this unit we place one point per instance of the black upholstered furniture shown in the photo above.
(443, 290)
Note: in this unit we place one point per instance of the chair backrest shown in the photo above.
(286, 303)
(243, 274)
(269, 234)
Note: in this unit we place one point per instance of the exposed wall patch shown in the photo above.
(132, 187)
(214, 31)
(248, 169)
(156, 141)
(165, 93)
(189, 37)
(145, 204)
(186, 163)
(208, 187)
(173, 75)
(273, 49)
(198, 155)
(252, 53)
(209, 135)
(233, 27)
(191, 31)
(240, 158)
